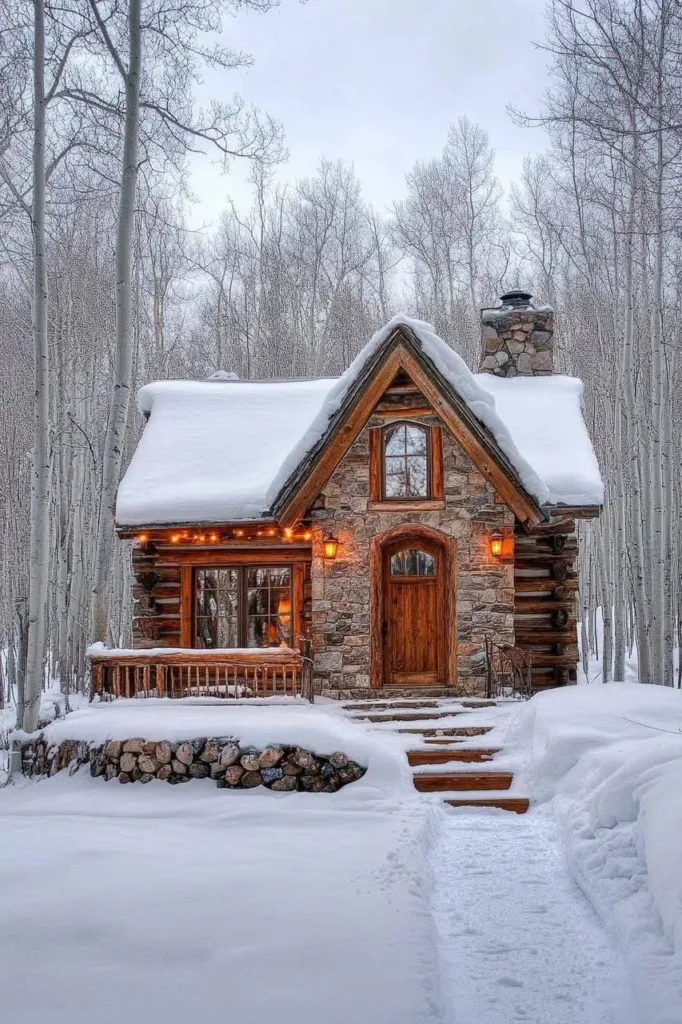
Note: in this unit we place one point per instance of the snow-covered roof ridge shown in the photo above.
(218, 451)
(453, 369)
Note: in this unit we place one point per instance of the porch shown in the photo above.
(219, 673)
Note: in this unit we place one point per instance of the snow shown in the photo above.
(210, 448)
(608, 758)
(144, 903)
(221, 450)
(103, 653)
(254, 723)
(161, 903)
(452, 367)
(519, 942)
(544, 417)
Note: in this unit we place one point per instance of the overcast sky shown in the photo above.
(377, 83)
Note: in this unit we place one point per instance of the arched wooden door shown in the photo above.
(413, 625)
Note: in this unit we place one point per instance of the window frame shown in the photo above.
(425, 429)
(242, 570)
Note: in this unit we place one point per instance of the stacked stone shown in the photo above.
(517, 342)
(38, 758)
(280, 768)
(341, 589)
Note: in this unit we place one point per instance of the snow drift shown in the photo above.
(610, 759)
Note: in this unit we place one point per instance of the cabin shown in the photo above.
(376, 534)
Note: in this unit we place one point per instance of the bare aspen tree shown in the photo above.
(114, 440)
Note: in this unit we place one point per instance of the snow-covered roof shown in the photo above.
(222, 450)
(545, 419)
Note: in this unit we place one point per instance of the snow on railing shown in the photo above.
(181, 672)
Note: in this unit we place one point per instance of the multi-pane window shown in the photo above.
(413, 562)
(406, 461)
(245, 606)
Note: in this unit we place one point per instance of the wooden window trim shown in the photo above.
(435, 496)
(401, 505)
(188, 591)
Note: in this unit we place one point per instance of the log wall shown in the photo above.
(545, 604)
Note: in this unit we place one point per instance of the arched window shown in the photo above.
(406, 461)
(413, 562)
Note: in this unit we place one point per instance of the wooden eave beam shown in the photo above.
(573, 511)
(157, 531)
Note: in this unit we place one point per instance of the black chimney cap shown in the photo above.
(517, 299)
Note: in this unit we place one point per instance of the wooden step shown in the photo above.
(443, 734)
(390, 705)
(517, 804)
(452, 781)
(415, 757)
(478, 703)
(443, 739)
(417, 716)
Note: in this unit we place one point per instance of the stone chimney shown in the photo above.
(517, 338)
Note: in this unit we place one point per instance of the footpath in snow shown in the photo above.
(518, 940)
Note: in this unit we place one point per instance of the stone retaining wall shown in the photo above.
(281, 768)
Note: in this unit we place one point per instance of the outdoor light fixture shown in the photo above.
(331, 546)
(496, 540)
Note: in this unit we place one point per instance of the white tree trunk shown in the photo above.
(123, 359)
(39, 544)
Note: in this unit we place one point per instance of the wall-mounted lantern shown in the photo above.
(496, 543)
(330, 547)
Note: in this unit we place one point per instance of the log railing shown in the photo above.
(262, 672)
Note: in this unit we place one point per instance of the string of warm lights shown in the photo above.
(185, 537)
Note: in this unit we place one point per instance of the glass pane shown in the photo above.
(406, 462)
(415, 440)
(216, 608)
(395, 440)
(396, 477)
(268, 601)
(413, 562)
(416, 476)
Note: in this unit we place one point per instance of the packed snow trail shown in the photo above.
(518, 940)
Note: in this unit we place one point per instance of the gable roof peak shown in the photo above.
(451, 375)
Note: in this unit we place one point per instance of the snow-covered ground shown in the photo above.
(157, 902)
(160, 903)
(607, 762)
(518, 941)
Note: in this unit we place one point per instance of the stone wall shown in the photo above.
(341, 588)
(280, 768)
(516, 339)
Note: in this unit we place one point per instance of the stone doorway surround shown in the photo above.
(448, 638)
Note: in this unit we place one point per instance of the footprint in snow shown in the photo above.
(509, 982)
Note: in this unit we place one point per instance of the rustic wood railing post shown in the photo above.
(307, 688)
